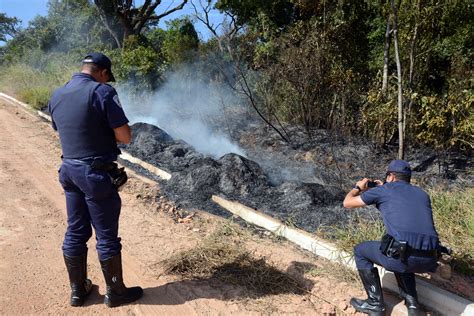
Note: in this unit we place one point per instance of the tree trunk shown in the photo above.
(386, 55)
(412, 68)
(109, 28)
(401, 149)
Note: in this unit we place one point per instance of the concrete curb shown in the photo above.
(433, 297)
(300, 237)
(155, 170)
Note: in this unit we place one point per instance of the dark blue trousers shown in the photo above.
(368, 253)
(91, 200)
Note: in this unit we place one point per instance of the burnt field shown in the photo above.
(302, 184)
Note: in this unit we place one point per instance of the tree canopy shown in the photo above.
(8, 26)
(392, 70)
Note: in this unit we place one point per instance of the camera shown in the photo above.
(371, 184)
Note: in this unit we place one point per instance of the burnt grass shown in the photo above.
(302, 184)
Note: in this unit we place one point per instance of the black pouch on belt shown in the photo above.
(393, 248)
(117, 175)
(389, 246)
(386, 243)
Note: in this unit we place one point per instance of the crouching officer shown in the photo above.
(90, 121)
(409, 245)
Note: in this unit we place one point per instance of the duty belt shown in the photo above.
(399, 249)
(117, 175)
(94, 163)
(422, 253)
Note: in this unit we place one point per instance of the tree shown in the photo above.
(8, 26)
(225, 32)
(401, 149)
(181, 41)
(123, 19)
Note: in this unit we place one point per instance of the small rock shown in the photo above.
(445, 271)
(196, 230)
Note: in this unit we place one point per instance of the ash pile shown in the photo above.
(196, 177)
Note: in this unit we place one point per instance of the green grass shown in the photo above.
(35, 85)
(354, 233)
(453, 213)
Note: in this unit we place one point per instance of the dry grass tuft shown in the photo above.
(222, 256)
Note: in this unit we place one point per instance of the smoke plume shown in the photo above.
(188, 108)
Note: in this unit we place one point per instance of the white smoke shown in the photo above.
(187, 108)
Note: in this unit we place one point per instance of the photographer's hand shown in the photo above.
(362, 185)
(353, 199)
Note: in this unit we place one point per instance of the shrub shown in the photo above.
(138, 65)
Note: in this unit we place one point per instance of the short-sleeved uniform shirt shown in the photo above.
(107, 113)
(406, 212)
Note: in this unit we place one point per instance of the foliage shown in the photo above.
(138, 65)
(278, 11)
(315, 64)
(181, 41)
(448, 121)
(122, 18)
(454, 220)
(436, 54)
(378, 114)
(69, 27)
(34, 84)
(8, 26)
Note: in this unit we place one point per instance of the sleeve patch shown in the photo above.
(117, 101)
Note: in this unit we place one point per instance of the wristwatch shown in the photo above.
(357, 188)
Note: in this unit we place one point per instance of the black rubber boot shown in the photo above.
(81, 286)
(407, 285)
(117, 293)
(373, 305)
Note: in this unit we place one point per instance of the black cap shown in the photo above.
(100, 60)
(400, 166)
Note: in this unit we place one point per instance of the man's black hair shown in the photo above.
(402, 176)
(92, 67)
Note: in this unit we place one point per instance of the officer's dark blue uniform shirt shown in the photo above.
(85, 112)
(406, 212)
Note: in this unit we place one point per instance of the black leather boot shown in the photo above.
(81, 286)
(117, 293)
(373, 305)
(407, 286)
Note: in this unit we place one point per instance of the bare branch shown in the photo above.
(142, 19)
(205, 20)
(178, 7)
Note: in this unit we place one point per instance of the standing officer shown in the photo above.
(89, 118)
(409, 245)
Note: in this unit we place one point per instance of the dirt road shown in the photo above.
(33, 278)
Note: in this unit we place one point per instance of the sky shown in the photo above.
(26, 10)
